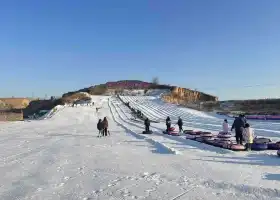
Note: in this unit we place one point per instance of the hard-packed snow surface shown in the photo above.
(62, 158)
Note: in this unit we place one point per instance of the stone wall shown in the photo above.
(183, 96)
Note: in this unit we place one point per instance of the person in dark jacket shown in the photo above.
(168, 123)
(105, 126)
(147, 124)
(100, 127)
(239, 125)
(180, 124)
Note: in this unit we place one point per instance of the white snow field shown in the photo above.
(62, 158)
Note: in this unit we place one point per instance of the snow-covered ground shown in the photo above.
(61, 157)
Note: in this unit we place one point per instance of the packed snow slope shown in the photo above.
(62, 158)
(156, 109)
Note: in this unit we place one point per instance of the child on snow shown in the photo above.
(248, 136)
(225, 126)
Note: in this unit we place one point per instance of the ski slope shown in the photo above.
(61, 157)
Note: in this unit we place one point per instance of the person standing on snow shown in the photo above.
(105, 126)
(238, 125)
(100, 128)
(180, 124)
(147, 125)
(248, 135)
(168, 123)
(225, 126)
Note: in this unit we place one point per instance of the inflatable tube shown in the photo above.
(194, 133)
(278, 152)
(206, 134)
(174, 133)
(190, 137)
(273, 146)
(147, 132)
(171, 129)
(224, 135)
(199, 139)
(224, 139)
(237, 147)
(188, 131)
(259, 147)
(262, 140)
(209, 141)
(218, 144)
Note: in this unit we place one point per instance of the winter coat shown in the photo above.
(180, 122)
(105, 123)
(147, 122)
(100, 125)
(225, 127)
(238, 123)
(248, 135)
(168, 121)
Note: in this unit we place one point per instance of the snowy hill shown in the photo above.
(61, 157)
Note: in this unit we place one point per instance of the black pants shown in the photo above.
(180, 128)
(239, 136)
(147, 128)
(168, 127)
(248, 146)
(105, 132)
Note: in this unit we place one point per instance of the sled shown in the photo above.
(174, 133)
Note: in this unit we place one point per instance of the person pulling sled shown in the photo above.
(168, 123)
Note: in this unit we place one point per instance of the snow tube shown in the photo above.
(209, 141)
(273, 146)
(171, 129)
(174, 133)
(194, 133)
(147, 132)
(206, 134)
(190, 137)
(218, 143)
(278, 152)
(262, 140)
(237, 147)
(224, 139)
(199, 139)
(188, 131)
(259, 146)
(224, 135)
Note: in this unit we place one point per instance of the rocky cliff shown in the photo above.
(183, 96)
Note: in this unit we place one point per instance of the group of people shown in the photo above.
(102, 127)
(243, 131)
(147, 124)
(179, 123)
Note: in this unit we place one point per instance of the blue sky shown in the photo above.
(227, 48)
